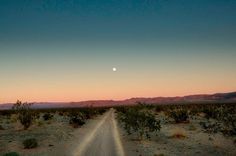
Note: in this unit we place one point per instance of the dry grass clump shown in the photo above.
(178, 136)
(178, 133)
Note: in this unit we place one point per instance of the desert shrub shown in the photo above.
(88, 113)
(11, 154)
(101, 111)
(211, 112)
(229, 122)
(158, 109)
(121, 109)
(143, 105)
(142, 122)
(6, 112)
(36, 115)
(91, 112)
(159, 154)
(211, 127)
(30, 143)
(61, 113)
(179, 115)
(76, 119)
(39, 123)
(1, 128)
(228, 131)
(224, 116)
(47, 116)
(24, 112)
(194, 112)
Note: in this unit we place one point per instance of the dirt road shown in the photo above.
(101, 140)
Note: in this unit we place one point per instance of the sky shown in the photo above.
(65, 50)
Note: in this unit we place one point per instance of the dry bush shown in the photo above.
(47, 116)
(179, 115)
(76, 119)
(25, 113)
(1, 128)
(30, 143)
(11, 154)
(136, 120)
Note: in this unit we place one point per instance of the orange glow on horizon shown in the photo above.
(71, 97)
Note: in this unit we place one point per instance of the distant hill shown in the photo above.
(200, 98)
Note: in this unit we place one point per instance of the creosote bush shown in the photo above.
(47, 116)
(11, 154)
(25, 114)
(1, 128)
(76, 119)
(142, 122)
(211, 112)
(30, 143)
(179, 115)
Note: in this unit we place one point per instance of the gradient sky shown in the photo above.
(64, 50)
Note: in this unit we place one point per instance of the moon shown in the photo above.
(114, 69)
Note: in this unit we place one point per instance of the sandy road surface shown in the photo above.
(102, 140)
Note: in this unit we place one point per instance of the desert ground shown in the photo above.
(105, 133)
(180, 139)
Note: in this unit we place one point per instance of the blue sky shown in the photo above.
(155, 42)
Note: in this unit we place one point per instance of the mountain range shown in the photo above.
(199, 98)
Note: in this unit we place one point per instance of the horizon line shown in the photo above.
(122, 99)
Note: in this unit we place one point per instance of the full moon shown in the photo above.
(114, 69)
